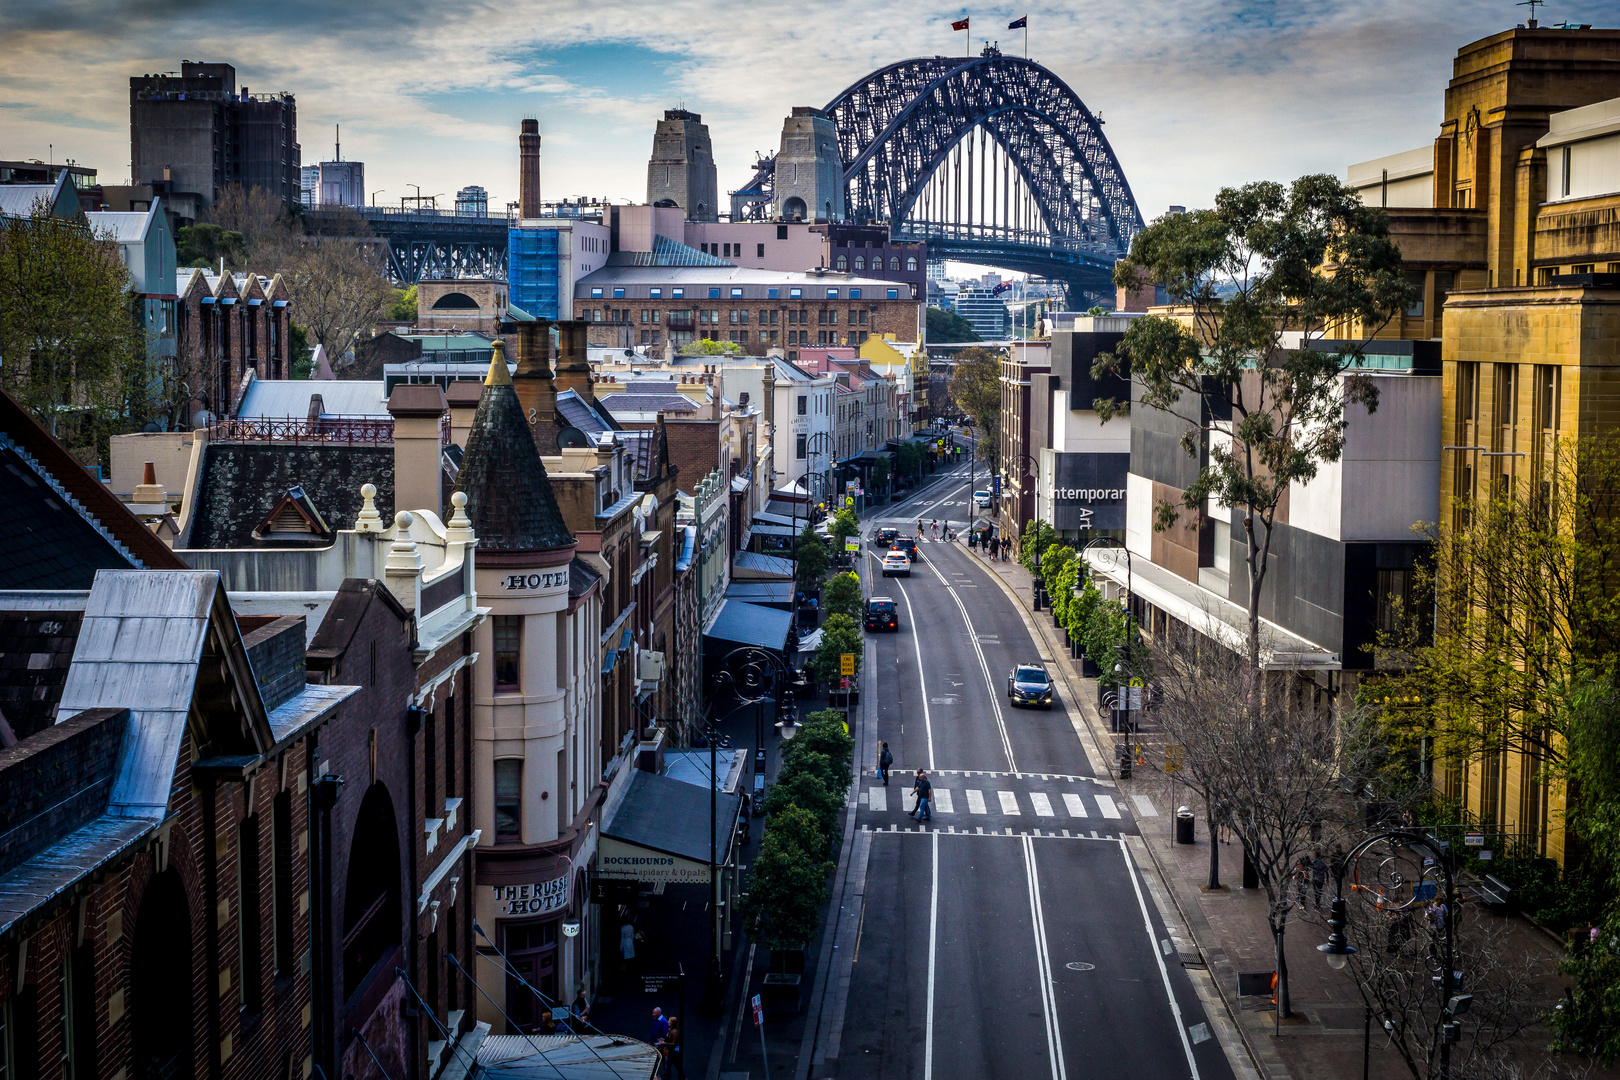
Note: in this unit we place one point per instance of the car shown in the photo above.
(1029, 684)
(981, 499)
(907, 544)
(896, 563)
(881, 614)
(885, 537)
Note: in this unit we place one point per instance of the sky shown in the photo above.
(1196, 94)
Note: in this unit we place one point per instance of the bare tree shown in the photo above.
(339, 289)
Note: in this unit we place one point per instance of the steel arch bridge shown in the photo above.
(906, 135)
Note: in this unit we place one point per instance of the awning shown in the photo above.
(762, 528)
(769, 593)
(739, 483)
(752, 566)
(741, 623)
(565, 1057)
(659, 831)
(692, 767)
(811, 641)
(767, 517)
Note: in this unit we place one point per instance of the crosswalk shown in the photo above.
(1005, 803)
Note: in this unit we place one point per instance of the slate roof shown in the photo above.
(577, 412)
(668, 815)
(619, 404)
(509, 497)
(581, 576)
(240, 483)
(61, 524)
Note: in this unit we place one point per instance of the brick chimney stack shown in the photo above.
(529, 170)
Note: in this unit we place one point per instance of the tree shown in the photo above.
(845, 524)
(1097, 310)
(73, 355)
(825, 732)
(205, 244)
(908, 460)
(810, 559)
(842, 596)
(1263, 413)
(340, 290)
(710, 347)
(269, 229)
(788, 879)
(879, 478)
(840, 634)
(402, 308)
(805, 788)
(975, 388)
(1033, 542)
(947, 326)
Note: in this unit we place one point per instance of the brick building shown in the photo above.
(226, 327)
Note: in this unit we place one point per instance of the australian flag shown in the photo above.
(1019, 23)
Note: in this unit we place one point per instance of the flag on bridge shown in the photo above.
(960, 24)
(1020, 23)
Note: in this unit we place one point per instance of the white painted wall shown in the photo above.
(1589, 138)
(1139, 515)
(1080, 432)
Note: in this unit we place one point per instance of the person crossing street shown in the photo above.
(885, 759)
(924, 790)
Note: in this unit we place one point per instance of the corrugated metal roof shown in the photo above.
(565, 1057)
(763, 565)
(751, 624)
(18, 199)
(121, 226)
(281, 398)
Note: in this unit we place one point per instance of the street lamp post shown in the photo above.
(1400, 893)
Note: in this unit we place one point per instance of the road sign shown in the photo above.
(843, 684)
(849, 501)
(1172, 759)
(759, 1012)
(846, 663)
(852, 545)
(1133, 696)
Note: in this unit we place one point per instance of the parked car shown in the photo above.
(896, 564)
(881, 614)
(1029, 684)
(982, 499)
(885, 537)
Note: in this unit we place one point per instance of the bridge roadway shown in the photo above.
(1014, 935)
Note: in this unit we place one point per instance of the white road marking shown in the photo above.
(1200, 1033)
(975, 802)
(984, 666)
(1043, 959)
(933, 943)
(1072, 803)
(1106, 805)
(942, 801)
(916, 643)
(1009, 802)
(1043, 805)
(1147, 923)
(878, 799)
(1144, 806)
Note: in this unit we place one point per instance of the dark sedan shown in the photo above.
(1029, 684)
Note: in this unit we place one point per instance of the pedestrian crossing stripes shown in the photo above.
(896, 770)
(1044, 834)
(1006, 803)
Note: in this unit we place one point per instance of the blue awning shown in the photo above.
(609, 660)
(742, 623)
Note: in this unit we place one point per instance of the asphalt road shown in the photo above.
(1011, 936)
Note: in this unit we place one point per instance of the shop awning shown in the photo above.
(752, 566)
(659, 831)
(741, 623)
(565, 1057)
(769, 593)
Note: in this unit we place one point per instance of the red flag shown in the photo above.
(960, 25)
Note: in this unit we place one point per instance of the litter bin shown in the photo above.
(1184, 825)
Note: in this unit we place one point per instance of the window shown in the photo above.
(1394, 594)
(677, 293)
(703, 317)
(802, 439)
(894, 294)
(508, 800)
(655, 337)
(714, 294)
(763, 316)
(655, 293)
(843, 263)
(728, 251)
(618, 293)
(1414, 278)
(781, 234)
(832, 317)
(733, 316)
(1563, 185)
(734, 335)
(773, 294)
(863, 316)
(508, 653)
(714, 317)
(1547, 393)
(644, 338)
(804, 403)
(832, 294)
(736, 294)
(247, 922)
(911, 262)
(773, 317)
(655, 317)
(759, 254)
(854, 294)
(894, 262)
(773, 336)
(795, 294)
(860, 262)
(596, 293)
(281, 872)
(821, 317)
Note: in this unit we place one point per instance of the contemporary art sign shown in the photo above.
(1088, 491)
(540, 898)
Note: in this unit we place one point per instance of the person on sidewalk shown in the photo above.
(660, 1027)
(581, 1011)
(674, 1067)
(1302, 875)
(885, 759)
(1319, 872)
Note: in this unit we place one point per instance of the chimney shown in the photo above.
(149, 490)
(529, 170)
(418, 410)
(462, 396)
(573, 361)
(535, 382)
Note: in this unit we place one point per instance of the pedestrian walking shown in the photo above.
(885, 759)
(924, 810)
(1319, 871)
(581, 1011)
(933, 528)
(674, 1067)
(660, 1027)
(1302, 874)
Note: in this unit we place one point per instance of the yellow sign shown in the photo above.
(1137, 683)
(852, 545)
(1172, 759)
(849, 500)
(846, 663)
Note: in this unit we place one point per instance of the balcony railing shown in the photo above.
(352, 430)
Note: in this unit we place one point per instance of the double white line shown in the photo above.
(1043, 959)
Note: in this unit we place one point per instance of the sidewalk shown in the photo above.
(1324, 1040)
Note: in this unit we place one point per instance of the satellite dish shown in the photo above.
(571, 436)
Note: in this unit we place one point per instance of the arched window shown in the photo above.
(860, 262)
(160, 980)
(371, 905)
(911, 262)
(894, 262)
(843, 263)
(455, 300)
(793, 209)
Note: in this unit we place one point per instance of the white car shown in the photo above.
(896, 564)
(982, 499)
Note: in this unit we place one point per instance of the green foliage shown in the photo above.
(402, 308)
(845, 524)
(839, 634)
(1060, 585)
(74, 357)
(948, 326)
(842, 596)
(804, 788)
(811, 559)
(879, 474)
(909, 460)
(710, 347)
(1080, 611)
(787, 882)
(1036, 538)
(205, 243)
(975, 389)
(1097, 310)
(303, 356)
(826, 734)
(1266, 262)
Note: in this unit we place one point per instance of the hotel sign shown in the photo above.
(555, 579)
(540, 898)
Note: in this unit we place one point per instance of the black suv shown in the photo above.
(884, 537)
(907, 544)
(1029, 684)
(881, 614)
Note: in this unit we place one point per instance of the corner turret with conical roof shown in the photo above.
(509, 497)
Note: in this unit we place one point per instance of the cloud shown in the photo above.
(1197, 94)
